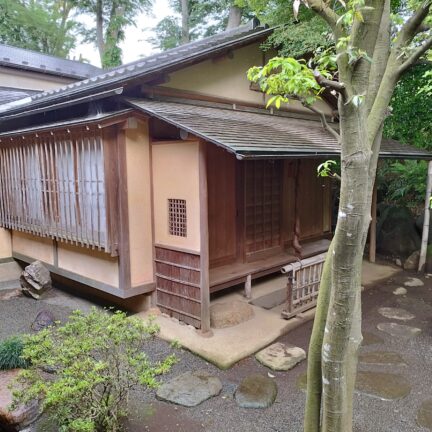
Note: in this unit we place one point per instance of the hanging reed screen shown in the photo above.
(54, 186)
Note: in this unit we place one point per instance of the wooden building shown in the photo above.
(166, 179)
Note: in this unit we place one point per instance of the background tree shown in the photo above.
(46, 26)
(111, 18)
(196, 19)
(370, 55)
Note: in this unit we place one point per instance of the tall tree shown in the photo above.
(196, 19)
(371, 54)
(45, 26)
(111, 18)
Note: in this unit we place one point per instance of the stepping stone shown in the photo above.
(230, 314)
(396, 313)
(190, 388)
(43, 320)
(399, 329)
(400, 291)
(371, 339)
(281, 357)
(424, 415)
(256, 391)
(413, 282)
(382, 358)
(385, 386)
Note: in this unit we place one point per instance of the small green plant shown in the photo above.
(11, 354)
(94, 360)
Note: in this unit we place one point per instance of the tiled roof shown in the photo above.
(20, 58)
(150, 66)
(258, 133)
(8, 94)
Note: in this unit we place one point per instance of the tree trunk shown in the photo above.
(312, 416)
(234, 17)
(185, 37)
(342, 334)
(99, 29)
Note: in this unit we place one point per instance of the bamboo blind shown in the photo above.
(54, 186)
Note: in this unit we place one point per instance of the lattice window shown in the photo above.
(54, 186)
(177, 217)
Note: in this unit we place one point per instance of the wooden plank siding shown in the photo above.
(178, 278)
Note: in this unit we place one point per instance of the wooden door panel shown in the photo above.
(263, 206)
(221, 180)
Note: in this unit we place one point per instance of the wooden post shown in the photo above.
(425, 235)
(248, 287)
(297, 224)
(204, 242)
(373, 225)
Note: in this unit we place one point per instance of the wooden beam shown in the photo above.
(204, 242)
(123, 223)
(373, 225)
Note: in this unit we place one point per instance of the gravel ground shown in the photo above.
(221, 414)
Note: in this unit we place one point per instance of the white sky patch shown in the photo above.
(135, 44)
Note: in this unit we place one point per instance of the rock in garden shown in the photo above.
(21, 416)
(397, 234)
(43, 320)
(414, 282)
(190, 389)
(256, 391)
(399, 330)
(35, 280)
(412, 262)
(281, 357)
(230, 314)
(396, 313)
(400, 291)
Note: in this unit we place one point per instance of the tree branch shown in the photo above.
(412, 26)
(324, 122)
(415, 55)
(324, 82)
(328, 14)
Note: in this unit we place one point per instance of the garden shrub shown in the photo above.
(94, 360)
(11, 350)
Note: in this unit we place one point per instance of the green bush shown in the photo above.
(10, 354)
(95, 360)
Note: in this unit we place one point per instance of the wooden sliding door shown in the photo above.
(263, 208)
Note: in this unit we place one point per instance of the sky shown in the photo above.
(135, 44)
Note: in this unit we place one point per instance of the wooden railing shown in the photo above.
(304, 277)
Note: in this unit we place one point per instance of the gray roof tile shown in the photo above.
(260, 133)
(154, 64)
(20, 58)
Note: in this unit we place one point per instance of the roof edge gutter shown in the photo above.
(88, 98)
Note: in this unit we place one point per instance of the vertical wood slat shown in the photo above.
(45, 188)
(178, 279)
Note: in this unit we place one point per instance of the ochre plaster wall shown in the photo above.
(30, 80)
(176, 176)
(5, 243)
(139, 203)
(39, 248)
(225, 77)
(89, 263)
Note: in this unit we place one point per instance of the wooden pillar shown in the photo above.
(425, 234)
(297, 224)
(204, 242)
(373, 225)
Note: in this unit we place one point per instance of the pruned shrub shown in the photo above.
(11, 351)
(94, 361)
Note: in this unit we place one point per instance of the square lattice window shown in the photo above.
(177, 218)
